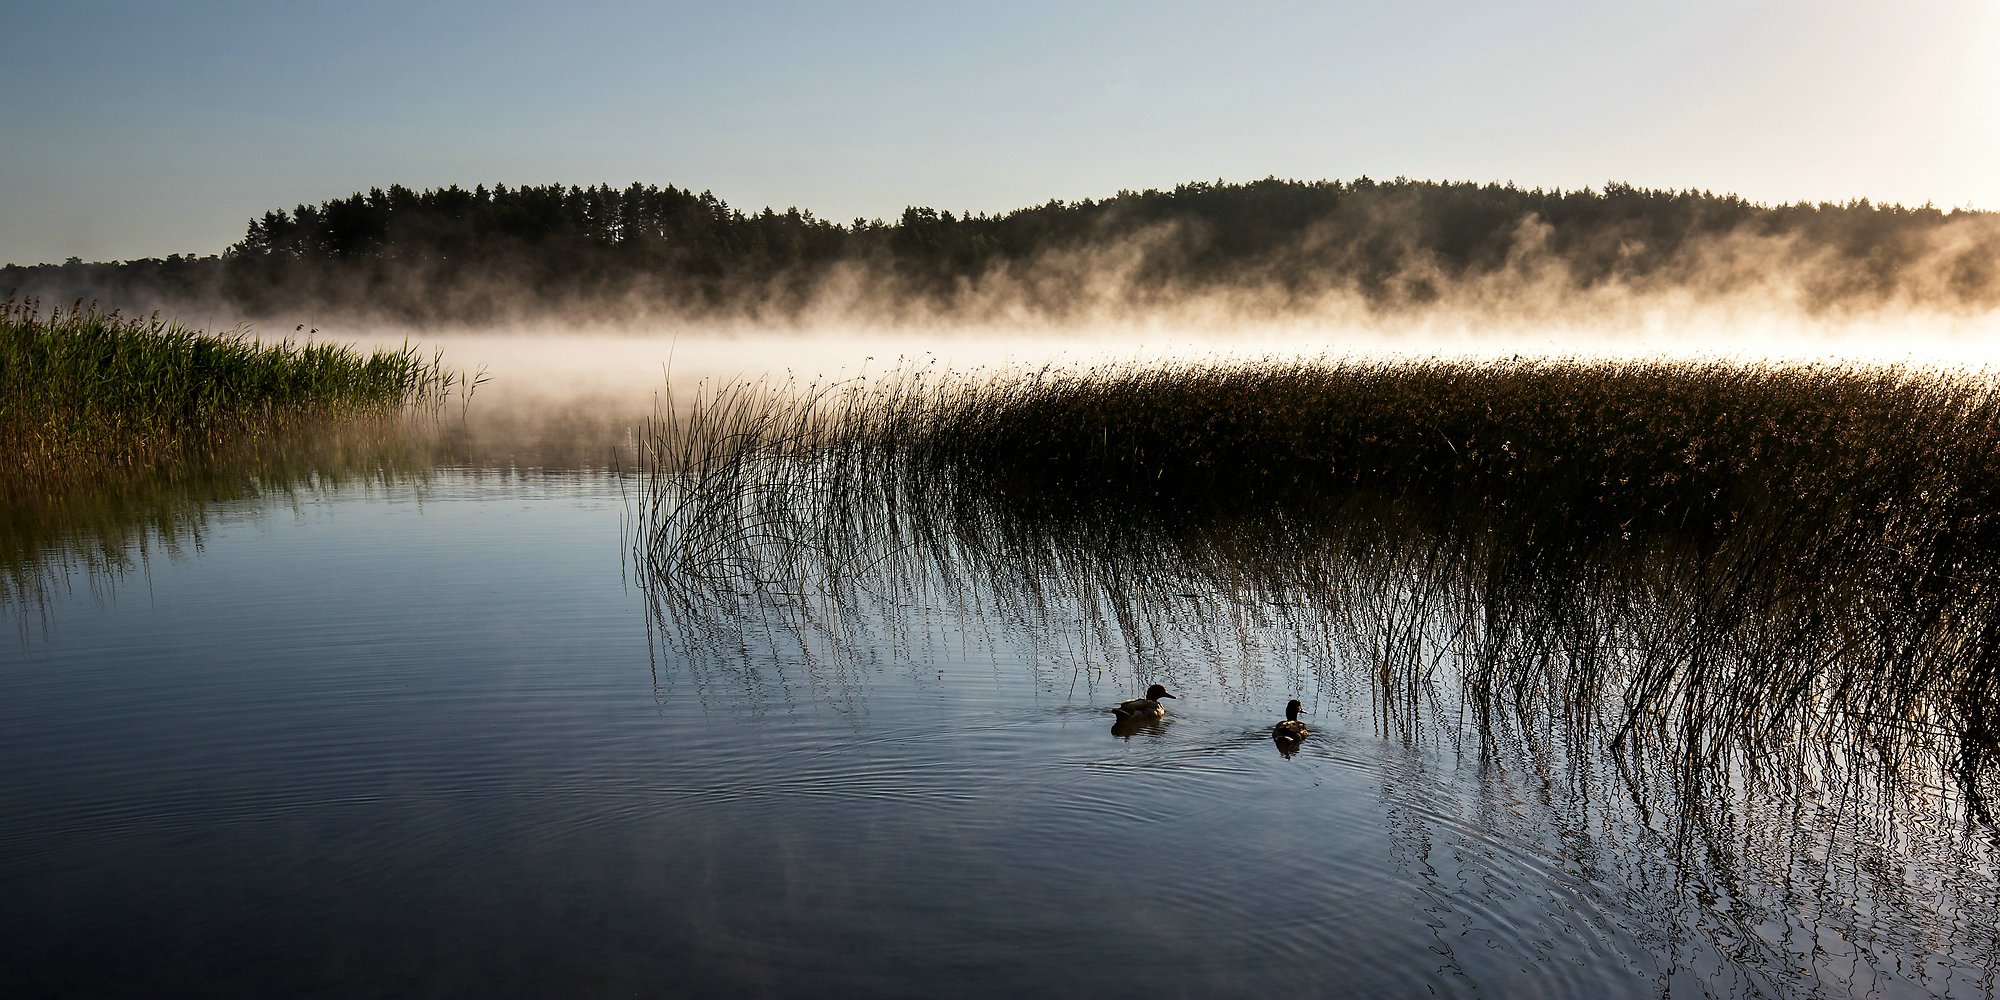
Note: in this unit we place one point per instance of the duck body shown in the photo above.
(1148, 707)
(1291, 730)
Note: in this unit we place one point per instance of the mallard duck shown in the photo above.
(1291, 730)
(1148, 707)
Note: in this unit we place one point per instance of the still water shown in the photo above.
(428, 735)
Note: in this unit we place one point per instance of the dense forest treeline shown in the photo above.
(1273, 247)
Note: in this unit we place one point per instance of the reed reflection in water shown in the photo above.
(1772, 774)
(852, 734)
(97, 533)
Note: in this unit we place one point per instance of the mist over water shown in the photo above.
(548, 382)
(430, 670)
(616, 360)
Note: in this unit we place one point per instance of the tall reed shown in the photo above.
(1731, 556)
(83, 392)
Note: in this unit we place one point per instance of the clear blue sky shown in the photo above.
(142, 129)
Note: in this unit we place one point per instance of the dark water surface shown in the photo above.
(418, 738)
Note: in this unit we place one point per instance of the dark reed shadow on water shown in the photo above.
(1749, 560)
(99, 531)
(92, 531)
(1753, 679)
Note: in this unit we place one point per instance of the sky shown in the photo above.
(143, 129)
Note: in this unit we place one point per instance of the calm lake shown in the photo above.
(400, 720)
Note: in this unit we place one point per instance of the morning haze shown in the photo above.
(865, 112)
(1444, 499)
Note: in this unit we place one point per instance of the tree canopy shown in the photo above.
(478, 255)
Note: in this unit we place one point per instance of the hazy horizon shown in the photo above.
(143, 131)
(850, 222)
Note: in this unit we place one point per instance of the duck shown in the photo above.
(1148, 707)
(1291, 730)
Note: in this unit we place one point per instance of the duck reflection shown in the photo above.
(1128, 726)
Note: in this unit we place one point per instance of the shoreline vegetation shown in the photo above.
(1756, 565)
(1266, 249)
(85, 394)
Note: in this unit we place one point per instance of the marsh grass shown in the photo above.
(1756, 565)
(84, 394)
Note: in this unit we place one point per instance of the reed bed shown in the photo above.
(85, 393)
(1729, 558)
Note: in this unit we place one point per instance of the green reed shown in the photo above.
(1732, 557)
(83, 392)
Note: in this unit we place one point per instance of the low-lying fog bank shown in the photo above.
(590, 373)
